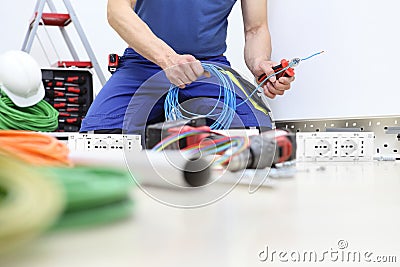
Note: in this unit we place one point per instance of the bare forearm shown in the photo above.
(137, 34)
(257, 47)
(258, 40)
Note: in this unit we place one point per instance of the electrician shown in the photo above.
(167, 41)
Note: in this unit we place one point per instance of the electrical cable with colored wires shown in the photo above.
(173, 109)
(34, 148)
(234, 145)
(41, 117)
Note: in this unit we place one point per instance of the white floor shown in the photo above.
(328, 210)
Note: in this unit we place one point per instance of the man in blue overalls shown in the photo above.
(168, 40)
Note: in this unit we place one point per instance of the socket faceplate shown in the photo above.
(335, 146)
(103, 142)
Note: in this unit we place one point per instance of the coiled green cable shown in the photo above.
(94, 195)
(41, 117)
(36, 199)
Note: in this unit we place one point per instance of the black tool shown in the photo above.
(67, 128)
(265, 150)
(113, 63)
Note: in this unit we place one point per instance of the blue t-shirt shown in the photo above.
(196, 27)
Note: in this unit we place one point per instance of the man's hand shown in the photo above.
(182, 70)
(272, 87)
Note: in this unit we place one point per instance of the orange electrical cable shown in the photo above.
(35, 148)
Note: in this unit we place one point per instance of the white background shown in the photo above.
(355, 78)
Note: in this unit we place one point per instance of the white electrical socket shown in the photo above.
(335, 146)
(103, 142)
(318, 148)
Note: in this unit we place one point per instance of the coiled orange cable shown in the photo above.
(35, 148)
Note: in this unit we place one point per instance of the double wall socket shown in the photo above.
(335, 146)
(103, 142)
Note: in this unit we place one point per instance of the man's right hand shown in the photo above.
(182, 70)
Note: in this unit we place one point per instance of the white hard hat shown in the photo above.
(21, 78)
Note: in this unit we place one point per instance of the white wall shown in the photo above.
(358, 74)
(356, 77)
(14, 21)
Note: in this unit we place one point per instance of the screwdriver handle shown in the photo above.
(287, 73)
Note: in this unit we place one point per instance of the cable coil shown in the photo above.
(173, 109)
(41, 117)
(34, 148)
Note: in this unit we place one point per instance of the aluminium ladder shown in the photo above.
(62, 20)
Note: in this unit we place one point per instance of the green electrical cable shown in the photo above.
(36, 199)
(41, 117)
(106, 214)
(94, 195)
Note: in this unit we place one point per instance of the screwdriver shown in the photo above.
(53, 83)
(71, 79)
(79, 110)
(74, 121)
(67, 114)
(70, 89)
(73, 100)
(53, 94)
(64, 105)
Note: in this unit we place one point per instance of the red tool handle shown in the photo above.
(287, 73)
(64, 105)
(68, 114)
(75, 121)
(72, 100)
(69, 89)
(54, 94)
(79, 110)
(72, 79)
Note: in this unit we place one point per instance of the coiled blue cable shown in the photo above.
(173, 109)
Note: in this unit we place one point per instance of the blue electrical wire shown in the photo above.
(313, 55)
(173, 109)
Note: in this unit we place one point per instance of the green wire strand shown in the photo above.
(41, 117)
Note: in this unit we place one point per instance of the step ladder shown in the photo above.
(60, 20)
